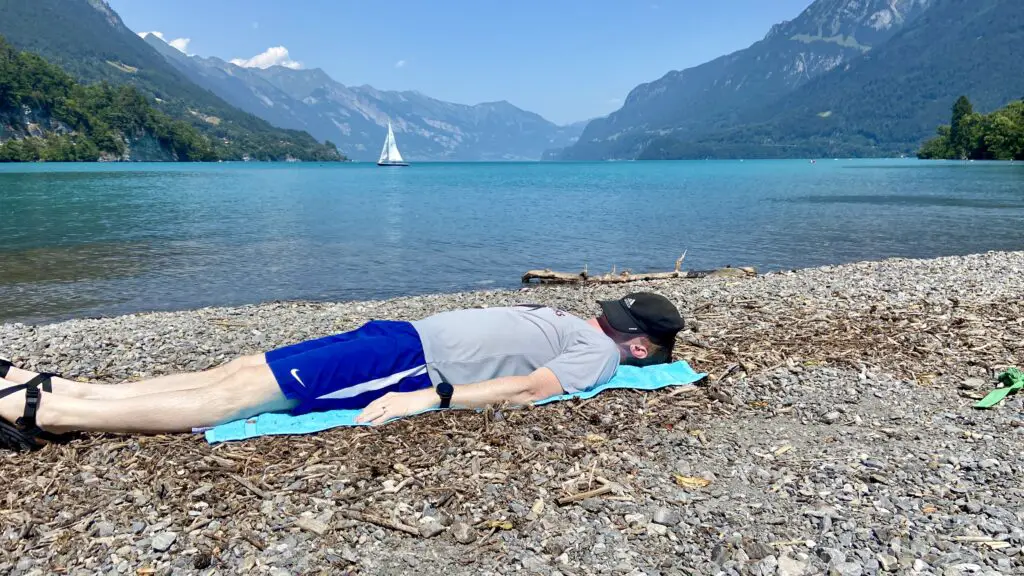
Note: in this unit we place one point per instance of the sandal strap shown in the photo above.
(28, 421)
(12, 389)
(5, 367)
(42, 380)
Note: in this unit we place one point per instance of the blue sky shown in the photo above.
(567, 60)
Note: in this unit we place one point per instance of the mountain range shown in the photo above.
(846, 77)
(843, 78)
(356, 116)
(87, 39)
(277, 112)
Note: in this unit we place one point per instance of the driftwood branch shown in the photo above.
(382, 522)
(547, 276)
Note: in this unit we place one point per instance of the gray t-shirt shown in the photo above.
(474, 345)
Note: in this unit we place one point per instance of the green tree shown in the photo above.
(959, 136)
(995, 136)
(997, 141)
(101, 118)
(938, 147)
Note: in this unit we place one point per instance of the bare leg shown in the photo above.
(248, 391)
(169, 383)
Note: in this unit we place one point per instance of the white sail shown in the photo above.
(389, 154)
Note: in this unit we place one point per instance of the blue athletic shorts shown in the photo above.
(351, 369)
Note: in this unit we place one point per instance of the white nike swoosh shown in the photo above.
(295, 374)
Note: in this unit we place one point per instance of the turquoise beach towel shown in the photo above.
(277, 423)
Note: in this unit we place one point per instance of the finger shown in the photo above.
(369, 413)
(371, 410)
(384, 417)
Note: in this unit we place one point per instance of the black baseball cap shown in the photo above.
(644, 313)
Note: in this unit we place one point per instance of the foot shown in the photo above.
(20, 425)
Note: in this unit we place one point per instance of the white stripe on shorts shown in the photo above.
(356, 390)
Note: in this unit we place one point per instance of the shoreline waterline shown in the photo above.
(534, 289)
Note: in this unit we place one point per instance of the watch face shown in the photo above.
(445, 389)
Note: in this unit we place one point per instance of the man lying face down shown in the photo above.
(461, 359)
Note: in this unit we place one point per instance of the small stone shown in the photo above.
(312, 525)
(657, 529)
(634, 519)
(665, 517)
(202, 561)
(555, 546)
(757, 550)
(920, 565)
(431, 528)
(24, 564)
(104, 529)
(718, 553)
(832, 556)
(349, 555)
(973, 384)
(592, 505)
(972, 507)
(765, 567)
(791, 566)
(462, 533)
(831, 417)
(138, 527)
(846, 569)
(989, 463)
(888, 563)
(162, 541)
(277, 571)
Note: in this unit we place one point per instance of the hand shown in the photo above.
(395, 405)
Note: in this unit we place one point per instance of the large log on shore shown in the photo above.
(547, 276)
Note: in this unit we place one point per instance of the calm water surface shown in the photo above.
(103, 239)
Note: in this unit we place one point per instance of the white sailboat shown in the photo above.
(389, 155)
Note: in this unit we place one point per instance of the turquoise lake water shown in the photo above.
(103, 239)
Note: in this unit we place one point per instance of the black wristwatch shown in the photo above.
(445, 391)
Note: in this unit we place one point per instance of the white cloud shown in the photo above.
(400, 64)
(274, 56)
(180, 44)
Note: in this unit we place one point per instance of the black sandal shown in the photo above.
(25, 434)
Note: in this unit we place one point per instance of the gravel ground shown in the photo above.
(834, 435)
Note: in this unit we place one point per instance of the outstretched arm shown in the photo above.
(516, 390)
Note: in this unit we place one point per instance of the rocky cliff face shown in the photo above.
(37, 123)
(827, 35)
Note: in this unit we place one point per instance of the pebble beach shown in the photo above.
(835, 434)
